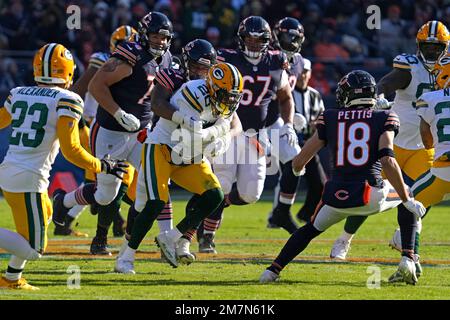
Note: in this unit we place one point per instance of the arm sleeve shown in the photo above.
(69, 140)
(392, 122)
(165, 78)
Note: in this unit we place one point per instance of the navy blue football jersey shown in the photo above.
(261, 83)
(171, 79)
(294, 71)
(132, 93)
(352, 137)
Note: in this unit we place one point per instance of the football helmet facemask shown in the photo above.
(432, 42)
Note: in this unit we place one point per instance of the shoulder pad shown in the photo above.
(405, 61)
(222, 54)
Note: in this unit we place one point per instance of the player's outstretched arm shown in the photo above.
(81, 86)
(394, 80)
(309, 150)
(160, 102)
(390, 165)
(69, 140)
(425, 133)
(286, 104)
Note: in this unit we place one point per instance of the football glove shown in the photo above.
(220, 128)
(186, 121)
(127, 120)
(218, 146)
(287, 130)
(299, 122)
(114, 167)
(416, 207)
(383, 104)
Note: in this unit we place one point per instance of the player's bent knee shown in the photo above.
(33, 255)
(104, 198)
(215, 196)
(250, 198)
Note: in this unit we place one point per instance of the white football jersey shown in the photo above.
(191, 99)
(405, 99)
(34, 145)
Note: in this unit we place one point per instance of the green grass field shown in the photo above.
(245, 247)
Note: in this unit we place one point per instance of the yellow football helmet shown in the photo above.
(225, 85)
(442, 72)
(432, 42)
(53, 64)
(122, 33)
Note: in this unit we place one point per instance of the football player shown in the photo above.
(360, 140)
(288, 36)
(43, 118)
(122, 88)
(265, 79)
(410, 77)
(197, 57)
(205, 111)
(90, 108)
(433, 186)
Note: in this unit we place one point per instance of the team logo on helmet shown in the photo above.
(218, 73)
(68, 55)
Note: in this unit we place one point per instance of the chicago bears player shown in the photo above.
(360, 140)
(205, 111)
(122, 87)
(410, 77)
(288, 36)
(80, 87)
(197, 57)
(433, 186)
(43, 118)
(265, 79)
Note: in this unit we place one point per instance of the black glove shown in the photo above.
(114, 167)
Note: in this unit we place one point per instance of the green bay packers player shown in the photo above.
(410, 78)
(44, 118)
(433, 186)
(198, 104)
(80, 87)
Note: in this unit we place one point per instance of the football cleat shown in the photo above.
(206, 244)
(99, 246)
(124, 266)
(407, 268)
(396, 241)
(340, 249)
(66, 231)
(268, 276)
(167, 247)
(20, 284)
(283, 220)
(59, 210)
(184, 256)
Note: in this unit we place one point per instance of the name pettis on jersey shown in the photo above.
(35, 91)
(354, 114)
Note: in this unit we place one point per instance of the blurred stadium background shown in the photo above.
(337, 39)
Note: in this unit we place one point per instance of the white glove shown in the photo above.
(299, 122)
(416, 207)
(287, 130)
(127, 120)
(186, 121)
(218, 146)
(220, 128)
(383, 104)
